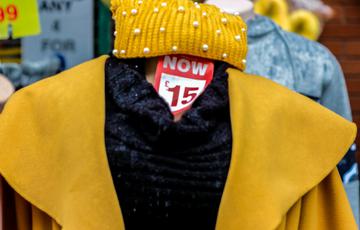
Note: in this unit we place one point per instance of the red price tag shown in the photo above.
(180, 79)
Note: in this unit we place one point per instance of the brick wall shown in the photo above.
(342, 37)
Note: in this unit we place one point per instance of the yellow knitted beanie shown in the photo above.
(150, 28)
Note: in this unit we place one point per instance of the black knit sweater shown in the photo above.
(167, 175)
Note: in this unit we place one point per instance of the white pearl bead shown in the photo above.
(122, 52)
(218, 32)
(115, 52)
(224, 20)
(205, 47)
(198, 6)
(196, 24)
(137, 31)
(115, 33)
(204, 14)
(162, 29)
(156, 10)
(174, 48)
(237, 13)
(224, 55)
(140, 2)
(237, 37)
(244, 61)
(181, 9)
(134, 11)
(163, 4)
(146, 50)
(243, 29)
(124, 13)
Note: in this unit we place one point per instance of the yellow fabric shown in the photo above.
(305, 23)
(284, 150)
(28, 217)
(310, 209)
(229, 45)
(277, 10)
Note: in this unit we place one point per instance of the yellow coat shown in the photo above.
(282, 174)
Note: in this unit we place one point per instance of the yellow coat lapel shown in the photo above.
(53, 149)
(283, 146)
(53, 152)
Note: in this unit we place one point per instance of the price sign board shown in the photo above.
(180, 79)
(20, 17)
(67, 31)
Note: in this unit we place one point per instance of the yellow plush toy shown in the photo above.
(305, 23)
(277, 10)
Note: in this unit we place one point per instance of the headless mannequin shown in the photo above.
(244, 7)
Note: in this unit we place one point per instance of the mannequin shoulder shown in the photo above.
(60, 90)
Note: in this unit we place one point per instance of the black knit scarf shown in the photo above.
(167, 175)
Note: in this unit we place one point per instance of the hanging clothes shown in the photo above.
(60, 150)
(306, 67)
(65, 179)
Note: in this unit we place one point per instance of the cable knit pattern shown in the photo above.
(155, 28)
(168, 175)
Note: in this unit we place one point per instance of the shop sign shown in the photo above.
(68, 31)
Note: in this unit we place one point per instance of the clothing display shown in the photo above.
(175, 171)
(254, 197)
(307, 68)
(98, 147)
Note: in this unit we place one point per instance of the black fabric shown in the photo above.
(168, 175)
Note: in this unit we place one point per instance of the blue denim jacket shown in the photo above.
(308, 68)
(304, 66)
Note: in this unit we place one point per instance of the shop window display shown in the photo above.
(99, 147)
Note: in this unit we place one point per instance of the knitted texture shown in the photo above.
(156, 28)
(168, 175)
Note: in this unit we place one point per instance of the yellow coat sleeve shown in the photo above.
(20, 214)
(324, 207)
